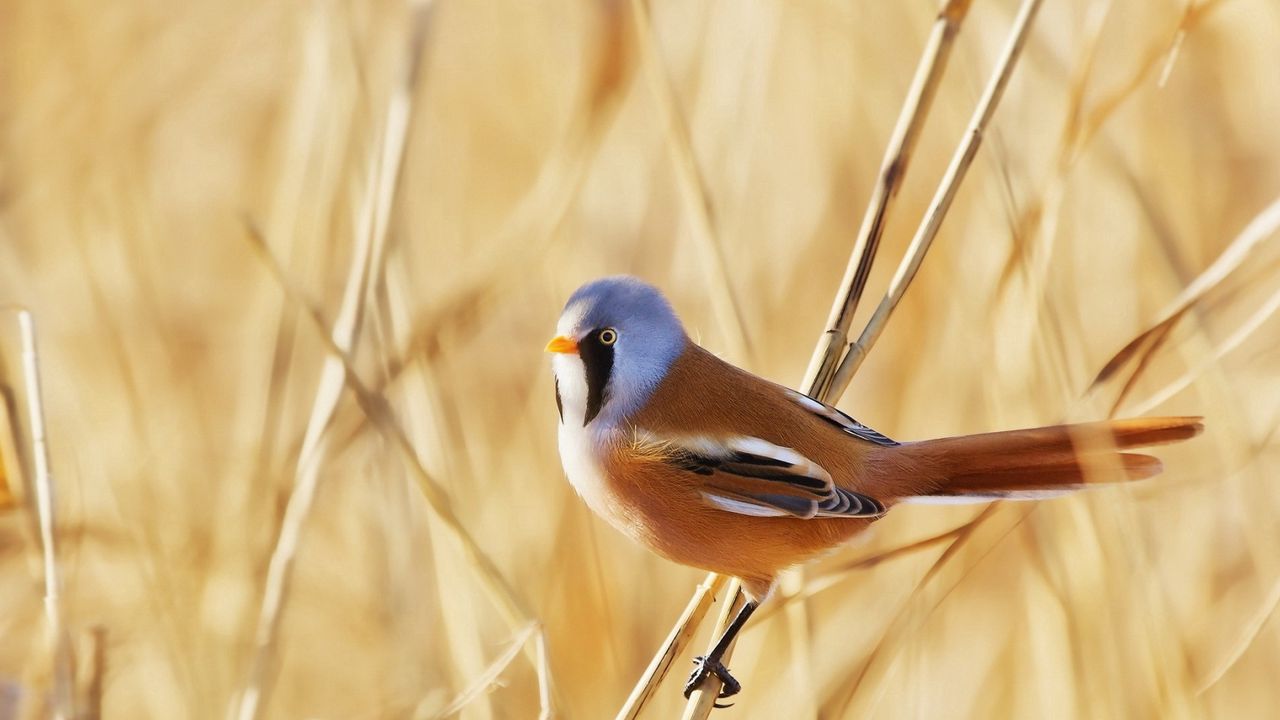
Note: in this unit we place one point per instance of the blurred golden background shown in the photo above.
(182, 185)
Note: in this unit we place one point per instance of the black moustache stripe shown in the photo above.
(597, 359)
(559, 404)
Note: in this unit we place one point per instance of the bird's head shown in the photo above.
(614, 343)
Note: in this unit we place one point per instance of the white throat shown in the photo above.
(580, 445)
(571, 383)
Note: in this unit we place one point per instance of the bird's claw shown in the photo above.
(706, 667)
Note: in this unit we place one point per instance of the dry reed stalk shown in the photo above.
(1077, 133)
(835, 576)
(1250, 633)
(10, 469)
(427, 421)
(703, 699)
(693, 190)
(96, 674)
(1263, 226)
(893, 168)
(1217, 352)
(485, 681)
(46, 521)
(378, 411)
(941, 202)
(909, 619)
(1175, 47)
(306, 485)
(673, 647)
(371, 226)
(542, 210)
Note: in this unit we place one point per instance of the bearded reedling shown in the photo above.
(711, 466)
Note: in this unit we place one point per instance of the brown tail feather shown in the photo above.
(1050, 459)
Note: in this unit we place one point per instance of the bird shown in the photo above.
(711, 466)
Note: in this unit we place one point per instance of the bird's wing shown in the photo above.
(840, 419)
(751, 476)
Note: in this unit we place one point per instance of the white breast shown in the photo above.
(582, 465)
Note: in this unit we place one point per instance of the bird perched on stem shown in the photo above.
(711, 466)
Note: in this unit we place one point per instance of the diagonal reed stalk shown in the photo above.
(1252, 629)
(911, 616)
(941, 203)
(378, 411)
(893, 168)
(1138, 351)
(1147, 343)
(485, 681)
(306, 484)
(703, 700)
(674, 645)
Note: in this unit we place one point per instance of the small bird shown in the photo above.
(713, 467)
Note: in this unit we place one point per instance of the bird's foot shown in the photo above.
(706, 667)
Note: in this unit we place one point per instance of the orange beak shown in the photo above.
(562, 344)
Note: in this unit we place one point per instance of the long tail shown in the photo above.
(1042, 462)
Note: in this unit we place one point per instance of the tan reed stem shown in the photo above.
(893, 168)
(703, 699)
(481, 684)
(673, 647)
(94, 672)
(1263, 226)
(1252, 629)
(63, 702)
(941, 203)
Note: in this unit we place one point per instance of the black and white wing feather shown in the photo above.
(751, 476)
(841, 420)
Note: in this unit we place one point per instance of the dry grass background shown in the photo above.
(146, 145)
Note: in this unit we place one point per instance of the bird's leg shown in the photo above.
(710, 664)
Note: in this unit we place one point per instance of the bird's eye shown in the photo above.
(608, 336)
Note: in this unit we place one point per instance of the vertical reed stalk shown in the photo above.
(63, 680)
(375, 207)
(693, 189)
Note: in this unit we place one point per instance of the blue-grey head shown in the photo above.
(615, 341)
